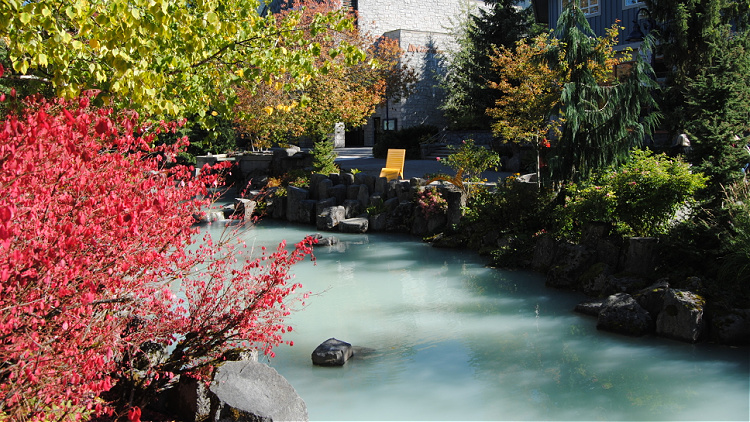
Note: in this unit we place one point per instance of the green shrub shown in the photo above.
(409, 139)
(641, 198)
(471, 160)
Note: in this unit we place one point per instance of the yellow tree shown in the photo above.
(160, 57)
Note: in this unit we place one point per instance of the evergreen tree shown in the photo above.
(602, 121)
(466, 82)
(706, 44)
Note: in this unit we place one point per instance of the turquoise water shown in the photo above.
(442, 337)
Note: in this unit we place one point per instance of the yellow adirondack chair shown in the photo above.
(394, 164)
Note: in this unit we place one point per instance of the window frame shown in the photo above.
(638, 3)
(390, 125)
(586, 14)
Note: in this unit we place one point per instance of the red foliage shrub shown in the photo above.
(94, 228)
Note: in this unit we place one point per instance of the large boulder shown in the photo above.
(252, 391)
(352, 208)
(681, 317)
(332, 352)
(621, 314)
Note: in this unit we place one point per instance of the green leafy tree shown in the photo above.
(470, 70)
(162, 58)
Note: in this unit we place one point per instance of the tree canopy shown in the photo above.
(161, 57)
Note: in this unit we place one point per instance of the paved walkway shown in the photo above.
(361, 159)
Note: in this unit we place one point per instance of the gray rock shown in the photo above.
(590, 308)
(294, 198)
(306, 211)
(354, 225)
(252, 391)
(652, 297)
(403, 191)
(347, 178)
(324, 240)
(194, 398)
(620, 313)
(324, 187)
(381, 185)
(731, 326)
(571, 261)
(244, 209)
(323, 204)
(545, 250)
(456, 200)
(190, 399)
(338, 192)
(363, 196)
(352, 191)
(315, 180)
(390, 205)
(640, 256)
(330, 217)
(681, 318)
(352, 208)
(277, 207)
(377, 222)
(332, 352)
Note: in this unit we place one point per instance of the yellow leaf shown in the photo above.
(268, 110)
(94, 43)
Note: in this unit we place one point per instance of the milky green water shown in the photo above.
(442, 337)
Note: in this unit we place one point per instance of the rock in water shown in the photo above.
(332, 352)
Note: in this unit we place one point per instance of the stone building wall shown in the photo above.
(422, 29)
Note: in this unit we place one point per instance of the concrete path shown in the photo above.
(361, 159)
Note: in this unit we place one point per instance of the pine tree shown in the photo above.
(706, 44)
(466, 83)
(602, 121)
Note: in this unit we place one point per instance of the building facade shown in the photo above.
(423, 31)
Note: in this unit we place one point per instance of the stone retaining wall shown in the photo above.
(340, 202)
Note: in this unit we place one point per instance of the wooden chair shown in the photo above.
(394, 164)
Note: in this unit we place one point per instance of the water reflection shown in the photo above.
(445, 338)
